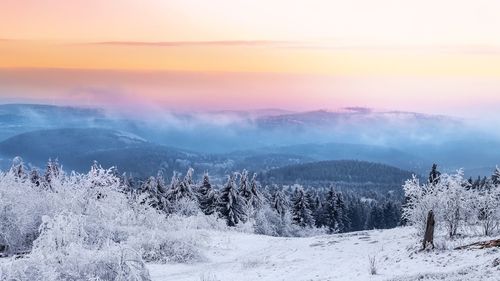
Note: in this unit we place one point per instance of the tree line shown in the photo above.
(284, 210)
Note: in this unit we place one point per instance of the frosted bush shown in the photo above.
(170, 250)
(185, 207)
(78, 263)
(84, 228)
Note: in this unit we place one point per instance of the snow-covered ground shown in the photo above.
(235, 256)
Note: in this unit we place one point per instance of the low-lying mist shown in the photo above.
(409, 140)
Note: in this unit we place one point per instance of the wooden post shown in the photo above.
(429, 231)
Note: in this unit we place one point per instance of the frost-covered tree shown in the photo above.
(343, 221)
(127, 184)
(257, 197)
(35, 178)
(487, 204)
(153, 196)
(420, 199)
(391, 215)
(181, 197)
(434, 175)
(52, 173)
(244, 188)
(495, 178)
(302, 215)
(18, 169)
(330, 212)
(453, 202)
(280, 202)
(181, 189)
(207, 196)
(375, 218)
(231, 206)
(160, 180)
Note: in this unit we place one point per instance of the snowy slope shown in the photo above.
(233, 256)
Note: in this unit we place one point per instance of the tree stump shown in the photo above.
(429, 231)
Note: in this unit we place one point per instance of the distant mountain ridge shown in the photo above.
(271, 138)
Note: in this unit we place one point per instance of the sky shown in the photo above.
(414, 55)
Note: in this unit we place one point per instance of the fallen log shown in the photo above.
(481, 245)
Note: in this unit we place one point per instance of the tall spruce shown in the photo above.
(244, 188)
(280, 202)
(495, 178)
(181, 189)
(343, 221)
(330, 212)
(434, 175)
(257, 197)
(207, 196)
(302, 215)
(231, 206)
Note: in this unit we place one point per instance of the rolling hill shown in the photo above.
(346, 173)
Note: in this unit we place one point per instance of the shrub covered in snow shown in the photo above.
(85, 227)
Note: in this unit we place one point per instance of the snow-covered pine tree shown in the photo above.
(280, 202)
(35, 178)
(207, 196)
(160, 180)
(343, 221)
(434, 175)
(375, 218)
(311, 200)
(257, 198)
(52, 172)
(153, 196)
(244, 188)
(391, 216)
(330, 212)
(302, 215)
(231, 206)
(181, 189)
(495, 178)
(319, 213)
(18, 169)
(357, 214)
(126, 184)
(487, 205)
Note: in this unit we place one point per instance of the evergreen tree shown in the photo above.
(181, 189)
(51, 173)
(280, 203)
(257, 198)
(434, 175)
(35, 178)
(318, 214)
(375, 218)
(153, 196)
(495, 178)
(302, 214)
(127, 185)
(244, 189)
(160, 180)
(391, 216)
(18, 169)
(356, 215)
(343, 222)
(311, 200)
(231, 205)
(330, 211)
(207, 196)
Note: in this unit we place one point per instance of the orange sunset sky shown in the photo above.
(424, 55)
